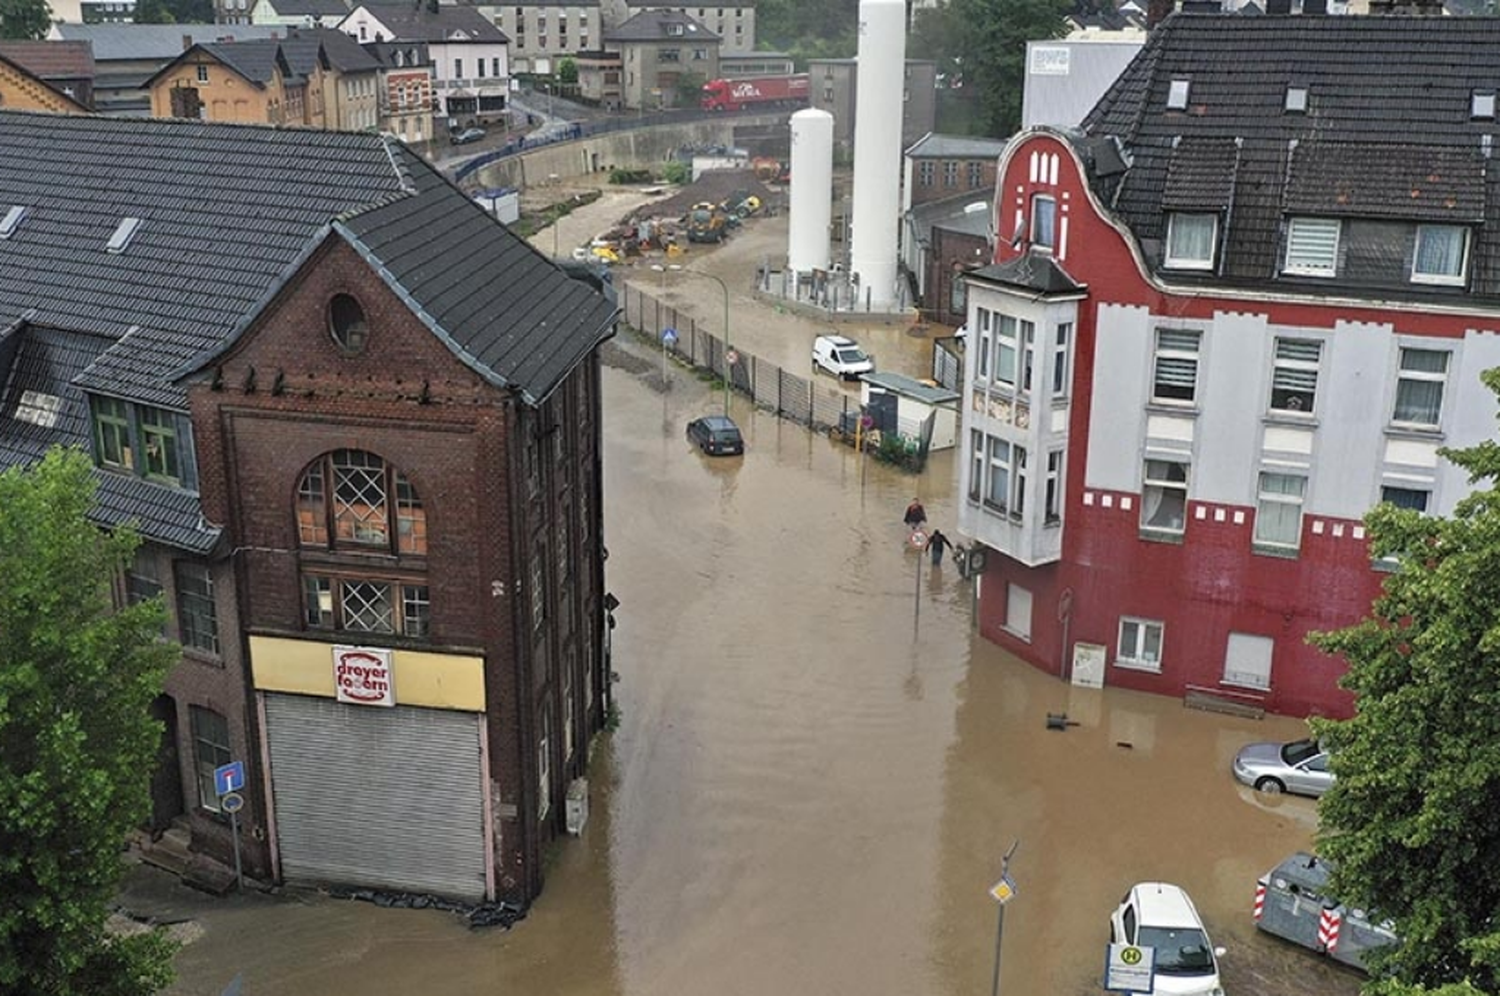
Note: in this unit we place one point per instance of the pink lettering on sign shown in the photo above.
(363, 677)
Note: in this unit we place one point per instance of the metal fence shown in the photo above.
(576, 130)
(772, 388)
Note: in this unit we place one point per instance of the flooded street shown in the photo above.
(817, 770)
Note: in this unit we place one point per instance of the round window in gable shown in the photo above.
(346, 320)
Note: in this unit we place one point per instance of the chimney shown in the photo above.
(1158, 11)
(187, 42)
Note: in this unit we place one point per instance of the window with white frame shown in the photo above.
(211, 750)
(1140, 644)
(1019, 475)
(1061, 358)
(544, 761)
(1278, 510)
(1419, 387)
(997, 480)
(1406, 497)
(1294, 375)
(1441, 254)
(1018, 611)
(1312, 247)
(1164, 496)
(1175, 376)
(1006, 346)
(1247, 661)
(984, 317)
(1052, 497)
(976, 464)
(1043, 221)
(1190, 241)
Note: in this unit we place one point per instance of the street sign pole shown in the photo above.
(1004, 891)
(232, 803)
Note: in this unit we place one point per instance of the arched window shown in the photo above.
(346, 323)
(353, 499)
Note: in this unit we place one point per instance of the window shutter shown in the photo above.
(1312, 245)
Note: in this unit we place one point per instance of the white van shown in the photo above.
(841, 357)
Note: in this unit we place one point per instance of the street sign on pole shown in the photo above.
(229, 777)
(1004, 890)
(232, 803)
(669, 337)
(1130, 968)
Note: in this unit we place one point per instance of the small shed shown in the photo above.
(902, 404)
(502, 202)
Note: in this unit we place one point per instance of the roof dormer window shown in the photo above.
(12, 220)
(1296, 100)
(124, 232)
(1482, 106)
(1177, 95)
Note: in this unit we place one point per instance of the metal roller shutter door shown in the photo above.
(387, 798)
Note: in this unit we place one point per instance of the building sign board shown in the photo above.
(1050, 60)
(363, 676)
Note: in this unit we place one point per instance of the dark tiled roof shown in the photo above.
(342, 52)
(257, 61)
(417, 23)
(1387, 132)
(1034, 271)
(118, 42)
(935, 146)
(51, 60)
(46, 361)
(1394, 181)
(385, 53)
(228, 213)
(657, 26)
(310, 8)
(1200, 174)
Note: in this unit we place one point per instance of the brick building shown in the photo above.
(1247, 302)
(364, 452)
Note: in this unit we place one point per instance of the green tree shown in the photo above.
(24, 19)
(689, 88)
(567, 72)
(77, 744)
(1413, 820)
(992, 52)
(153, 12)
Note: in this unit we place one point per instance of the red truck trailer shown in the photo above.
(753, 91)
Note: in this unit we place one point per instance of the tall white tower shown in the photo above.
(812, 191)
(880, 86)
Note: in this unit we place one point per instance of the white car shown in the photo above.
(1161, 917)
(840, 356)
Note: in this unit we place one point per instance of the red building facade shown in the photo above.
(1188, 383)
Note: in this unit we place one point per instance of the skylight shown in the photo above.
(1296, 99)
(123, 234)
(1177, 96)
(38, 408)
(1483, 106)
(12, 220)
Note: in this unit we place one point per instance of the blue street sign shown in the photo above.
(669, 337)
(229, 777)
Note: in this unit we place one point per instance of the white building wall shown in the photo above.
(1471, 416)
(1231, 401)
(1122, 384)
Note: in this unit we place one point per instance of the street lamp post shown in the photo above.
(724, 359)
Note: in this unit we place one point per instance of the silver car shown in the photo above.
(1300, 767)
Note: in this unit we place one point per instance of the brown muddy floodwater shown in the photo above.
(810, 791)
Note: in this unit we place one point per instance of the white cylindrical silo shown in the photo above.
(812, 191)
(880, 82)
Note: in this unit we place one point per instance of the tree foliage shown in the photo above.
(77, 744)
(825, 30)
(567, 71)
(1413, 820)
(992, 37)
(174, 12)
(24, 19)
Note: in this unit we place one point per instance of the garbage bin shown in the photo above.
(1289, 900)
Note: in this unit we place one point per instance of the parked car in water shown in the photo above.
(841, 356)
(716, 435)
(1160, 916)
(467, 135)
(1300, 767)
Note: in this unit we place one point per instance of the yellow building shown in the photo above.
(317, 78)
(22, 91)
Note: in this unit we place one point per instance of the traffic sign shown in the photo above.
(669, 337)
(229, 777)
(918, 539)
(1130, 968)
(232, 802)
(1004, 890)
